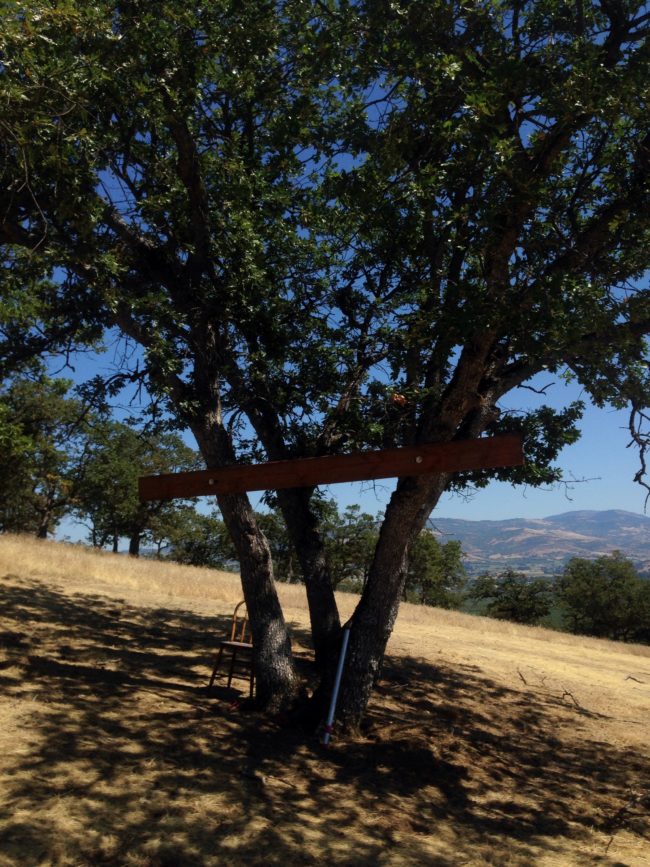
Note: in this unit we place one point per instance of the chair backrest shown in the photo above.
(239, 630)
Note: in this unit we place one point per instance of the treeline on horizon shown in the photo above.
(63, 457)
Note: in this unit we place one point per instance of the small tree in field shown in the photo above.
(510, 596)
(194, 538)
(435, 574)
(333, 226)
(351, 539)
(42, 453)
(108, 489)
(605, 597)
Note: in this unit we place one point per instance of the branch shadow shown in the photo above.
(125, 758)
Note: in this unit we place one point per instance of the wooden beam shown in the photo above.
(453, 457)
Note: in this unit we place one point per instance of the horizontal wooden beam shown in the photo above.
(453, 457)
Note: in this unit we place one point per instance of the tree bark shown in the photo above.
(274, 668)
(302, 525)
(44, 514)
(374, 617)
(275, 673)
(134, 545)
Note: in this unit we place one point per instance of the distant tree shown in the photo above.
(43, 450)
(435, 573)
(108, 490)
(510, 596)
(193, 538)
(642, 627)
(348, 538)
(16, 450)
(285, 563)
(605, 597)
(350, 541)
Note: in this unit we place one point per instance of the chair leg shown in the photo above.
(232, 666)
(231, 670)
(216, 666)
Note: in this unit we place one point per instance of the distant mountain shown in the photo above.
(544, 545)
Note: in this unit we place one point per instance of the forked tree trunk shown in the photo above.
(374, 617)
(302, 525)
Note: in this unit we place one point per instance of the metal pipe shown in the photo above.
(327, 733)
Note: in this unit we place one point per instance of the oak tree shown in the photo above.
(334, 225)
(107, 492)
(605, 597)
(43, 453)
(512, 596)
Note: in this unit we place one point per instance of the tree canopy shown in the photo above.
(43, 451)
(330, 225)
(510, 596)
(108, 494)
(606, 598)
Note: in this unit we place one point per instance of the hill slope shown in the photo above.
(545, 544)
(487, 743)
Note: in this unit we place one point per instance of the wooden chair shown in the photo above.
(238, 645)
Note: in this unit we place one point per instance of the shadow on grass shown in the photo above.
(127, 759)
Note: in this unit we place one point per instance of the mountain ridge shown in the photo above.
(544, 545)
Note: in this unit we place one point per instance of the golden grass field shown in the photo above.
(487, 743)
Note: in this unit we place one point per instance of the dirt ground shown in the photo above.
(484, 745)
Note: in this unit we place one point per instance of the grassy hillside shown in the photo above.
(487, 743)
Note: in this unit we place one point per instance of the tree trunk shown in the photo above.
(302, 525)
(43, 521)
(374, 617)
(323, 611)
(275, 673)
(274, 669)
(410, 505)
(134, 545)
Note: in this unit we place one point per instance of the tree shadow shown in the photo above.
(125, 757)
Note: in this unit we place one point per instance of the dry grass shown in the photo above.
(487, 743)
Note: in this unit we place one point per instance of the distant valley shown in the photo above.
(542, 546)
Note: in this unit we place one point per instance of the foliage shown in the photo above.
(42, 453)
(511, 596)
(606, 598)
(350, 541)
(285, 567)
(435, 573)
(108, 491)
(193, 538)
